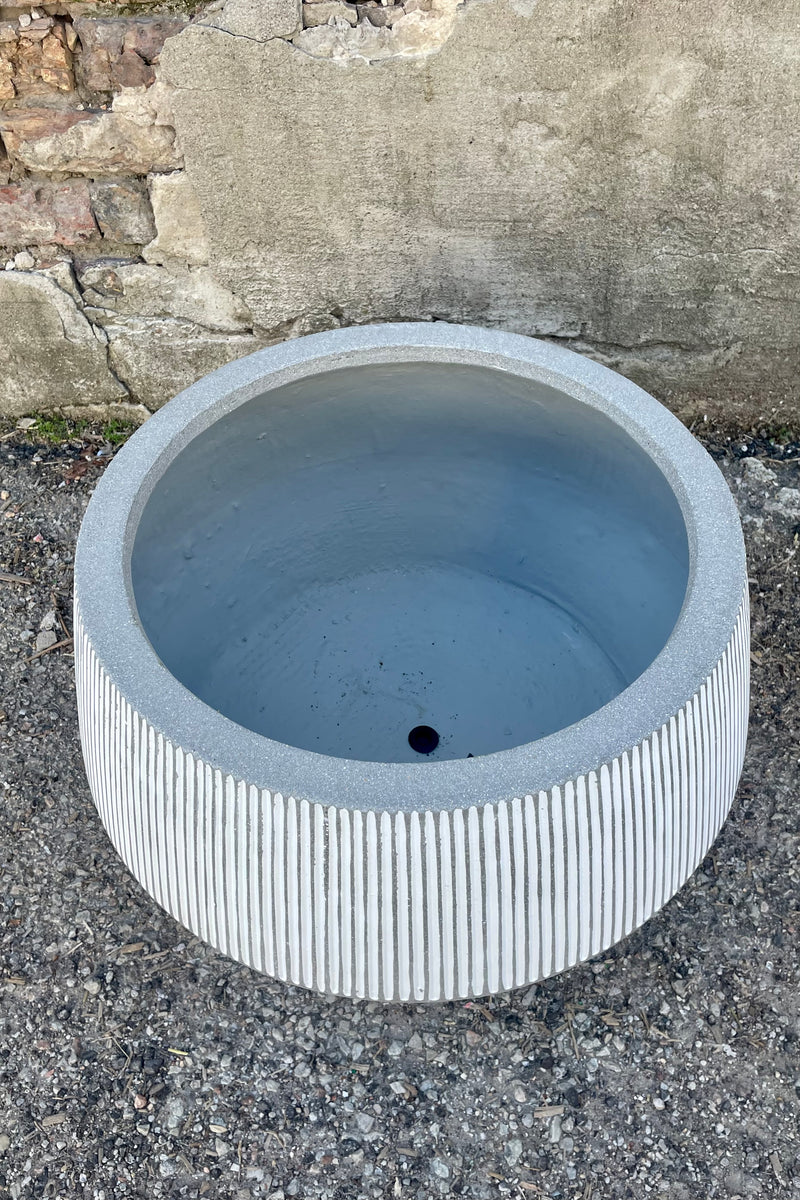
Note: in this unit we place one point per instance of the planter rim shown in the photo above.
(104, 593)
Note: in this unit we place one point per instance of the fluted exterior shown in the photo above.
(417, 906)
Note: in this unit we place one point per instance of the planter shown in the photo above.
(412, 660)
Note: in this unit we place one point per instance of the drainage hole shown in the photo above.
(423, 739)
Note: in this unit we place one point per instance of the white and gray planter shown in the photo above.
(319, 549)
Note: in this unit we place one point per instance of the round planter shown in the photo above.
(412, 660)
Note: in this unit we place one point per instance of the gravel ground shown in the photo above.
(136, 1062)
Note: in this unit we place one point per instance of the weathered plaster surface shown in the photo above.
(180, 231)
(616, 174)
(416, 32)
(66, 359)
(158, 358)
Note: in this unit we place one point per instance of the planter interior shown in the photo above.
(349, 559)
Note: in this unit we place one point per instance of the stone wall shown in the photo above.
(182, 183)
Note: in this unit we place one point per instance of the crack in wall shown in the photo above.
(97, 331)
(413, 29)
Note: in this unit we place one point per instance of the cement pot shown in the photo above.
(412, 660)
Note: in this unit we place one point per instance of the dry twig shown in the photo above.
(49, 649)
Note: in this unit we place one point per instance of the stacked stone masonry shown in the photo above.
(183, 182)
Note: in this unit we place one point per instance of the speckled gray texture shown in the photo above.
(668, 1063)
(717, 576)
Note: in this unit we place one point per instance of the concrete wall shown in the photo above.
(179, 188)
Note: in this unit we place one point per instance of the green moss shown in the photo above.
(53, 428)
(781, 435)
(116, 431)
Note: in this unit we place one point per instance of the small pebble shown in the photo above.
(513, 1151)
(44, 641)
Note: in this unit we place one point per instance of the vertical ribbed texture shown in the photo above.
(419, 906)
